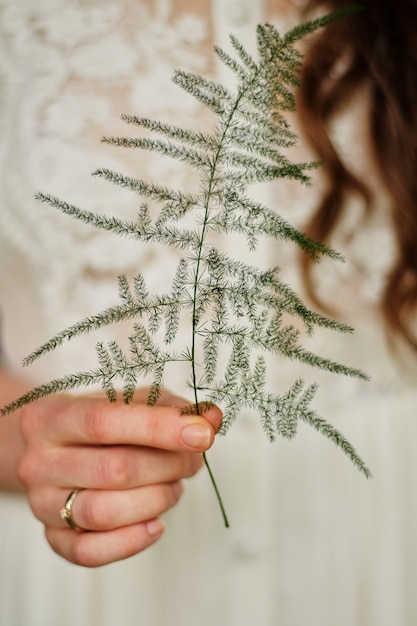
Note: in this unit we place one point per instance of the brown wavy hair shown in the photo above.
(377, 49)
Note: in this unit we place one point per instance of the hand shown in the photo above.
(129, 461)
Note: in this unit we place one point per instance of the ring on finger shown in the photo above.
(66, 511)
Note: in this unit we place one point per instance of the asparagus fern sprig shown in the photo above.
(233, 307)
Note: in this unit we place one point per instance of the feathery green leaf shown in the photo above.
(237, 312)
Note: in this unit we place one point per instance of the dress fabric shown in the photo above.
(311, 540)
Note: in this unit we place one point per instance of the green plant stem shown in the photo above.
(219, 498)
(195, 297)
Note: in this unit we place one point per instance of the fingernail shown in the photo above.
(155, 526)
(197, 436)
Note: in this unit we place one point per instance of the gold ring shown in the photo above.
(66, 511)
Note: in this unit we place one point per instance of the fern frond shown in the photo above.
(267, 223)
(141, 292)
(307, 28)
(125, 293)
(204, 141)
(58, 385)
(112, 224)
(235, 310)
(326, 429)
(231, 63)
(195, 158)
(149, 190)
(243, 54)
(212, 95)
(112, 315)
(106, 365)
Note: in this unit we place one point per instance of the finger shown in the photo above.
(106, 467)
(100, 548)
(97, 421)
(101, 510)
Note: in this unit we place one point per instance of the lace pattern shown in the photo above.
(85, 64)
(68, 71)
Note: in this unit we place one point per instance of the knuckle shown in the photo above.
(95, 423)
(175, 493)
(93, 514)
(193, 465)
(151, 429)
(31, 420)
(163, 499)
(36, 503)
(25, 421)
(27, 469)
(80, 553)
(74, 547)
(113, 470)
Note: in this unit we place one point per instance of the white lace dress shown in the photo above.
(311, 541)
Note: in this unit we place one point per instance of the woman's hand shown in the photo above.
(127, 460)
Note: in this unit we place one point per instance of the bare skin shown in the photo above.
(129, 461)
